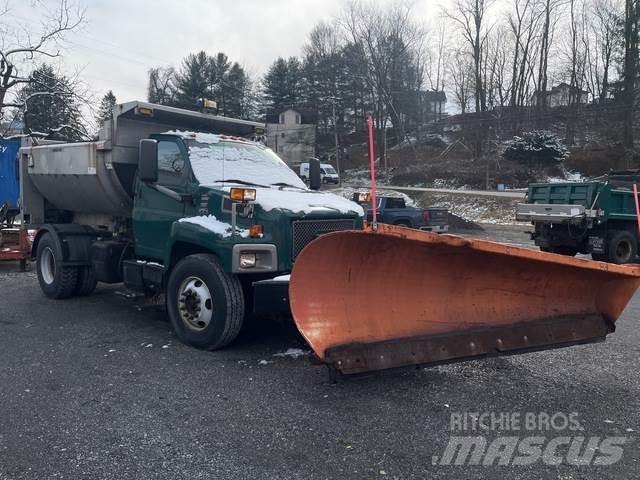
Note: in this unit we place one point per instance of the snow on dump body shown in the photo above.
(214, 225)
(217, 160)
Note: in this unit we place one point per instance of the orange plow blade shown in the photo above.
(396, 297)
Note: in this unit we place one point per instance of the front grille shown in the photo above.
(304, 231)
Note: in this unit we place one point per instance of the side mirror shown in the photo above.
(148, 161)
(315, 179)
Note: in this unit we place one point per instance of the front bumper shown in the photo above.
(435, 228)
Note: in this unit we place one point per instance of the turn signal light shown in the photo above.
(364, 197)
(242, 194)
(256, 231)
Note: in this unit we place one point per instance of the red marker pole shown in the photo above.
(635, 198)
(372, 161)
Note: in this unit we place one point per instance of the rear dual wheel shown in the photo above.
(57, 281)
(622, 247)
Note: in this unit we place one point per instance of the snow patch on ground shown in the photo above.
(292, 353)
(282, 278)
(211, 223)
(475, 209)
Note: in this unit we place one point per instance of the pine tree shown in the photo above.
(51, 105)
(193, 82)
(105, 111)
(281, 85)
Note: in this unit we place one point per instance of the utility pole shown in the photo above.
(335, 136)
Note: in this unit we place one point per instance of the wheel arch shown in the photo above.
(73, 241)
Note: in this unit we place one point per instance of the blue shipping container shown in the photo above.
(9, 182)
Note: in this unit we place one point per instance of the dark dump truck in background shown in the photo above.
(180, 207)
(393, 210)
(595, 217)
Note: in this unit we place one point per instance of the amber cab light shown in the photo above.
(242, 194)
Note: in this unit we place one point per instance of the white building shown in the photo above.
(292, 135)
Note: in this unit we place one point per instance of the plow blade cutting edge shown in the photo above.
(396, 297)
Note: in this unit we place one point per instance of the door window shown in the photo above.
(170, 163)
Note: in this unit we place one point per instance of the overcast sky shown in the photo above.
(122, 39)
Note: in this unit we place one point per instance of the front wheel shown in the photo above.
(205, 304)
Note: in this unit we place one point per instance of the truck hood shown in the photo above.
(304, 201)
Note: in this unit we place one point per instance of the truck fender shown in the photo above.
(74, 241)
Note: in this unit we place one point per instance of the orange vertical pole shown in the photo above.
(635, 199)
(372, 161)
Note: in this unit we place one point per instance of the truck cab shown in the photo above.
(204, 218)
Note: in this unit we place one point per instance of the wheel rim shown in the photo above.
(623, 251)
(195, 303)
(48, 266)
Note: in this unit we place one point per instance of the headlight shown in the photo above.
(247, 260)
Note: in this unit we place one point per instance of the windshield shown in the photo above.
(228, 161)
(329, 170)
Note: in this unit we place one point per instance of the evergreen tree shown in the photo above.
(50, 105)
(105, 111)
(194, 80)
(282, 84)
(238, 99)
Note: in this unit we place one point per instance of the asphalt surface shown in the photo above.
(94, 388)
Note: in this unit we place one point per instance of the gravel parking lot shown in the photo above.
(94, 388)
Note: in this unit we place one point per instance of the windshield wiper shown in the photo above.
(241, 182)
(284, 184)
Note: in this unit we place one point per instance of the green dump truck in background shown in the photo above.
(594, 217)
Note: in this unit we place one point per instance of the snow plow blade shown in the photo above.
(397, 297)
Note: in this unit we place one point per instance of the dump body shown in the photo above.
(453, 298)
(585, 217)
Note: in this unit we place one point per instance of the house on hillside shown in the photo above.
(291, 133)
(561, 95)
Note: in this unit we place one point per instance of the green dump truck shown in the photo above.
(594, 217)
(177, 205)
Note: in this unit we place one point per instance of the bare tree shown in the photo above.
(461, 73)
(550, 19)
(631, 18)
(23, 47)
(389, 40)
(470, 17)
(162, 86)
(435, 67)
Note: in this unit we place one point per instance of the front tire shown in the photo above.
(56, 282)
(205, 304)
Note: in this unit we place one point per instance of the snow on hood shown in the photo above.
(304, 201)
(214, 225)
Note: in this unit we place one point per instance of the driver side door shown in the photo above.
(154, 212)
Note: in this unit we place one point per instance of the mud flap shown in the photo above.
(397, 297)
